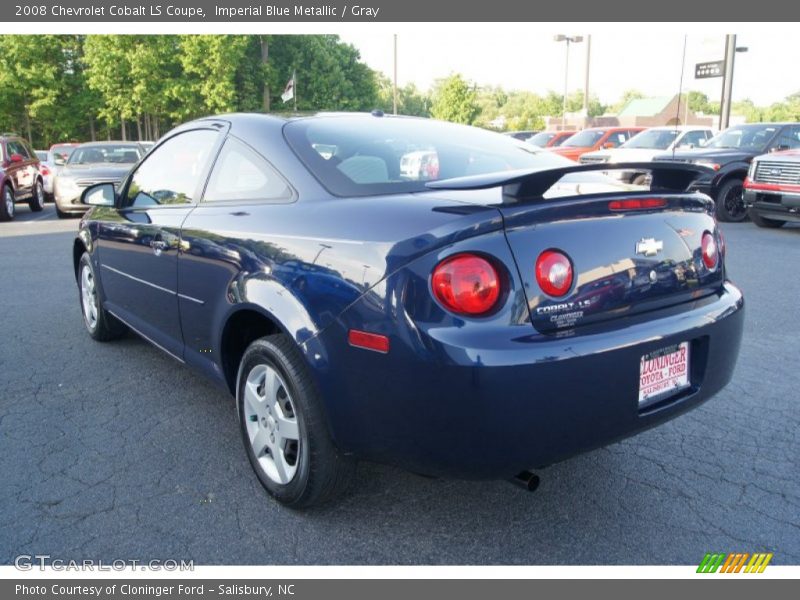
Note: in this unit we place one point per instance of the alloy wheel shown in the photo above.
(271, 421)
(89, 297)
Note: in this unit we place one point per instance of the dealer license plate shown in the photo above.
(663, 373)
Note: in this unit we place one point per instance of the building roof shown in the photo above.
(645, 107)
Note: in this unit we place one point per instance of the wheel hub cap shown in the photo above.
(271, 423)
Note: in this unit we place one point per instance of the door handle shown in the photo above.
(159, 246)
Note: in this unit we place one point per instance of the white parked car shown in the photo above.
(648, 144)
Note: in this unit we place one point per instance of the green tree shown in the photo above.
(454, 99)
(410, 101)
(330, 74)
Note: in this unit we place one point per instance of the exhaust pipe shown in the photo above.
(527, 480)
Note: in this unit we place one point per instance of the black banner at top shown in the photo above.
(221, 11)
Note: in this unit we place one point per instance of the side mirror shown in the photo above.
(59, 160)
(99, 194)
(778, 148)
(15, 158)
(608, 145)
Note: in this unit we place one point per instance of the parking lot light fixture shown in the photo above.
(574, 39)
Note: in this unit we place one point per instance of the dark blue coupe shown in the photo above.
(412, 292)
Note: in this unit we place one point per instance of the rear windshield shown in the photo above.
(364, 156)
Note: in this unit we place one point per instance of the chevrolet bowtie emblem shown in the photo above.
(649, 246)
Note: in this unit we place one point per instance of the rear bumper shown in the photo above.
(774, 204)
(446, 402)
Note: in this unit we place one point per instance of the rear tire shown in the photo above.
(764, 222)
(284, 428)
(730, 202)
(100, 323)
(7, 209)
(36, 203)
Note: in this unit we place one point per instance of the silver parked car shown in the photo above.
(91, 163)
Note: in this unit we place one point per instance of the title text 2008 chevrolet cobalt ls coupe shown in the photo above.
(496, 311)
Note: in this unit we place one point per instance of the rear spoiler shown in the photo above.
(533, 183)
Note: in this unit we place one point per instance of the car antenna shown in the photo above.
(680, 93)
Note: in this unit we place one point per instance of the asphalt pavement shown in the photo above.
(116, 451)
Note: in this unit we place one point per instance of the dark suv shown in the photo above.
(20, 179)
(728, 155)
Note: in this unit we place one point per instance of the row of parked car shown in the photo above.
(753, 169)
(61, 173)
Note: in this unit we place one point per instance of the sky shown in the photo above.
(647, 61)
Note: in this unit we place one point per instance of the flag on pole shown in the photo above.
(288, 92)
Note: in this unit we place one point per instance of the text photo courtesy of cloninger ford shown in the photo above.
(378, 297)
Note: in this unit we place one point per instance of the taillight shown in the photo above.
(466, 284)
(44, 170)
(708, 246)
(554, 273)
(637, 204)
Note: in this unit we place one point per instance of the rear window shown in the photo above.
(364, 156)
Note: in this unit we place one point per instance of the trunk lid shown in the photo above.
(624, 262)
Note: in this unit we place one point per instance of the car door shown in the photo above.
(138, 240)
(22, 171)
(223, 238)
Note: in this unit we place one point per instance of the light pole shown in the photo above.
(727, 80)
(574, 39)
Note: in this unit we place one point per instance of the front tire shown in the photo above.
(100, 324)
(36, 203)
(7, 208)
(730, 202)
(284, 428)
(764, 222)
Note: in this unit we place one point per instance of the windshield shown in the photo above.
(655, 139)
(106, 153)
(745, 137)
(362, 156)
(541, 139)
(585, 138)
(41, 155)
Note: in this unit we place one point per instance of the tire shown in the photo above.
(730, 202)
(7, 208)
(764, 222)
(100, 324)
(36, 203)
(284, 428)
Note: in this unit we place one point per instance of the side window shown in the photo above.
(16, 147)
(240, 173)
(172, 173)
(789, 137)
(694, 138)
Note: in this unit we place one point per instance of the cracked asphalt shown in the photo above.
(115, 451)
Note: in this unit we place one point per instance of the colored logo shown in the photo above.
(735, 562)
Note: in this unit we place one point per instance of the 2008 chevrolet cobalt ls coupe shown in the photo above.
(494, 312)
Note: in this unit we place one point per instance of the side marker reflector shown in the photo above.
(368, 341)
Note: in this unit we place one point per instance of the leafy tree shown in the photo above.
(454, 99)
(410, 101)
(330, 74)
